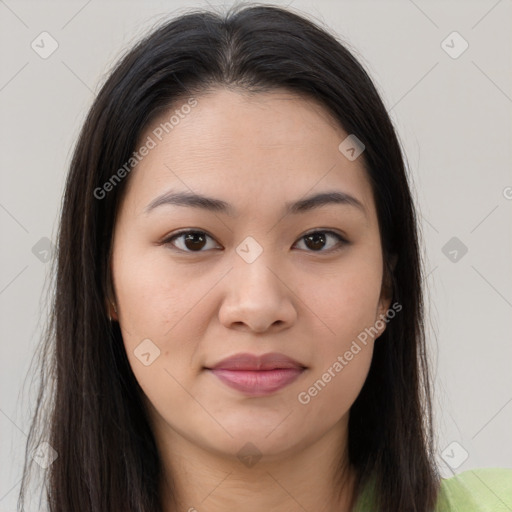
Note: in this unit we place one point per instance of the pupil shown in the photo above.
(190, 237)
(316, 236)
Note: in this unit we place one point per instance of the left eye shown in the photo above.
(194, 241)
(316, 238)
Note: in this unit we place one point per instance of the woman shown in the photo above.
(238, 317)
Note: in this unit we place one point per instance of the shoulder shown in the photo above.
(477, 490)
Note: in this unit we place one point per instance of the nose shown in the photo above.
(258, 297)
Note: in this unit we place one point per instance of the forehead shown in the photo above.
(275, 146)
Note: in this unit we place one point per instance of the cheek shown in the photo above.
(344, 299)
(333, 386)
(152, 317)
(344, 311)
(153, 294)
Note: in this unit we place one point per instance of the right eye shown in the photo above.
(190, 240)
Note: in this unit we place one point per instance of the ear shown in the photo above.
(112, 310)
(110, 300)
(386, 295)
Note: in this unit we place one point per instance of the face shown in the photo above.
(194, 285)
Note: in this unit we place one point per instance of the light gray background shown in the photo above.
(453, 117)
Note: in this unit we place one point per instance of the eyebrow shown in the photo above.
(193, 200)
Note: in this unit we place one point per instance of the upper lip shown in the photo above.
(246, 361)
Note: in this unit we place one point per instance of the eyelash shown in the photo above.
(168, 241)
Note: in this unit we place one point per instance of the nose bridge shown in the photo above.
(256, 296)
(253, 264)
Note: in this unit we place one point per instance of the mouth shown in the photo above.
(257, 375)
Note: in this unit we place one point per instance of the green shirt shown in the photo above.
(474, 490)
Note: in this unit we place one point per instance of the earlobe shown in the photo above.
(111, 311)
(381, 318)
(393, 261)
(386, 295)
(110, 301)
(113, 315)
(387, 290)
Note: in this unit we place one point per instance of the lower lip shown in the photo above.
(258, 382)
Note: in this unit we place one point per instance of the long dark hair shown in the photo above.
(90, 407)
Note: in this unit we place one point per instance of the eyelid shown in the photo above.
(342, 239)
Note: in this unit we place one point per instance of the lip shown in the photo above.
(252, 362)
(257, 375)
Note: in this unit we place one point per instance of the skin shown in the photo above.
(305, 300)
